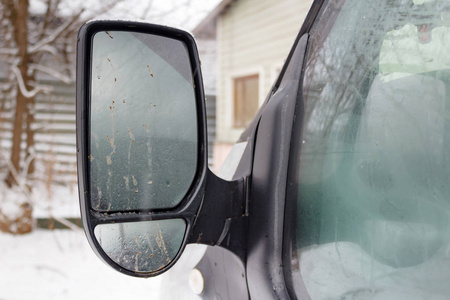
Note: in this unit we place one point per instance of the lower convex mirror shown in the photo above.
(141, 139)
(146, 246)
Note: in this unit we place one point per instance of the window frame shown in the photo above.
(290, 215)
(266, 276)
(265, 269)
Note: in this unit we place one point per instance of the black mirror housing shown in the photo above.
(117, 232)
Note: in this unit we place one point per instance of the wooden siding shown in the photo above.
(254, 36)
(54, 133)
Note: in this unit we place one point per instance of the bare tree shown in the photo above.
(35, 42)
(38, 40)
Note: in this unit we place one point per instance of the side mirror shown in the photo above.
(141, 142)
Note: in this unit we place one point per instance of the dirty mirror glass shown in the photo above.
(143, 143)
(142, 246)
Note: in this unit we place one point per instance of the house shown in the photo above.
(253, 38)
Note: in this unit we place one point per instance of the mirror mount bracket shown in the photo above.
(222, 218)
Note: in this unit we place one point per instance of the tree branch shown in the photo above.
(52, 37)
(147, 9)
(16, 176)
(52, 73)
(27, 194)
(48, 48)
(23, 89)
(8, 51)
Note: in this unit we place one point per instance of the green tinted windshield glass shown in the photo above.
(372, 166)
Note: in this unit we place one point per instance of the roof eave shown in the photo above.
(212, 16)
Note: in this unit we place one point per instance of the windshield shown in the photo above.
(368, 194)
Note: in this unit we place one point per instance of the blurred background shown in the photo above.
(43, 252)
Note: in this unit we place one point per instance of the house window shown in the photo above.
(246, 99)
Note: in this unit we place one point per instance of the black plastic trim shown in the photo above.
(222, 207)
(188, 208)
(265, 274)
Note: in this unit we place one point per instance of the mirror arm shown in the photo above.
(222, 215)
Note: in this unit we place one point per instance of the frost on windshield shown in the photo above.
(373, 209)
(143, 143)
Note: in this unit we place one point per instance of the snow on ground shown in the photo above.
(60, 264)
(47, 201)
(57, 201)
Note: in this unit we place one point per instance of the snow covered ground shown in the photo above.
(59, 264)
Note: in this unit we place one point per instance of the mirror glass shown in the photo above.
(142, 246)
(143, 143)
